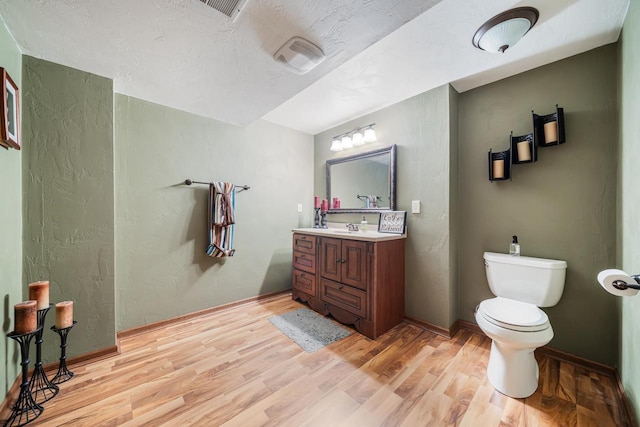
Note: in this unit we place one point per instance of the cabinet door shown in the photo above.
(331, 259)
(354, 267)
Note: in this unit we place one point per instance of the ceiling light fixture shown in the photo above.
(354, 138)
(505, 29)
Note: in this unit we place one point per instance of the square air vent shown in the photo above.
(231, 8)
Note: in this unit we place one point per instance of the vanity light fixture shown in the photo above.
(336, 144)
(370, 134)
(357, 138)
(354, 138)
(505, 29)
(346, 142)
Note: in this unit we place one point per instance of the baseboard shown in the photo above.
(447, 333)
(190, 316)
(628, 408)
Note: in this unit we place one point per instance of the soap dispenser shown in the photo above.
(514, 247)
(363, 224)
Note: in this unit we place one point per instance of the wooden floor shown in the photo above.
(234, 368)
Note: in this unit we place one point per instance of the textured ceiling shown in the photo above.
(186, 55)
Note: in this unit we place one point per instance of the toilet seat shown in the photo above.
(513, 315)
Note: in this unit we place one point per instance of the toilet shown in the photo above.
(513, 319)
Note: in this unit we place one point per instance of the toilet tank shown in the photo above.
(537, 281)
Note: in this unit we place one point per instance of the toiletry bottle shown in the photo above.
(514, 247)
(363, 225)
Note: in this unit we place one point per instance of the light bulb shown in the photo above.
(357, 139)
(346, 142)
(370, 135)
(336, 145)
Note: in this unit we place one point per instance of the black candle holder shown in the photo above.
(25, 409)
(324, 220)
(41, 388)
(63, 374)
(316, 223)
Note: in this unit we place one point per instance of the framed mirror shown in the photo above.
(364, 182)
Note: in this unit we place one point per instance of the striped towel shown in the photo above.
(222, 200)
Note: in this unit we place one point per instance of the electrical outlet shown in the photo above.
(415, 206)
(299, 207)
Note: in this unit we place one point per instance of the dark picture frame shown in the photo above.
(392, 222)
(9, 112)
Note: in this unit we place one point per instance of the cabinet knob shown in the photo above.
(338, 261)
(343, 261)
(340, 287)
(302, 256)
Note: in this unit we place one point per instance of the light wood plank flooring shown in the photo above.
(234, 368)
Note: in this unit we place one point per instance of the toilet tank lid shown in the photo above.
(525, 260)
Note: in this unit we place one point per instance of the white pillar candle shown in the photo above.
(524, 153)
(498, 169)
(39, 291)
(64, 314)
(26, 319)
(551, 132)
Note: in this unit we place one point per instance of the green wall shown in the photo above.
(562, 207)
(421, 128)
(68, 197)
(161, 224)
(629, 198)
(10, 225)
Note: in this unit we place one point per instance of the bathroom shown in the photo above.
(565, 206)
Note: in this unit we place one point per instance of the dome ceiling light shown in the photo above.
(505, 29)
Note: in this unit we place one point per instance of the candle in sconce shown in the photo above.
(551, 132)
(316, 202)
(325, 205)
(64, 314)
(26, 319)
(39, 291)
(498, 169)
(524, 153)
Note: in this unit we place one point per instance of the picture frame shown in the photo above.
(392, 222)
(9, 111)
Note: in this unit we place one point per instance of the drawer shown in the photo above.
(304, 282)
(304, 243)
(304, 262)
(345, 297)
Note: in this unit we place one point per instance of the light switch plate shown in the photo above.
(415, 206)
(299, 207)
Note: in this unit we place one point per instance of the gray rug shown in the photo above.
(308, 329)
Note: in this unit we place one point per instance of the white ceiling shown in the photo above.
(186, 55)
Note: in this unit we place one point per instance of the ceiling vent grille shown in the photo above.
(231, 8)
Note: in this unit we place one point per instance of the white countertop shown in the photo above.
(343, 233)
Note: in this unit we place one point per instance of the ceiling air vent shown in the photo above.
(231, 8)
(299, 55)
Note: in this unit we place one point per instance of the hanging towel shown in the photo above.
(222, 200)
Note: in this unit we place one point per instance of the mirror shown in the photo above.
(364, 182)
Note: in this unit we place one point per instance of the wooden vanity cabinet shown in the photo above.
(356, 281)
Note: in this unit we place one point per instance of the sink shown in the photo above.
(342, 231)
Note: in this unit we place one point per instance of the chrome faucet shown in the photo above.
(352, 227)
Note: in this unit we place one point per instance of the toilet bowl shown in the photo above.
(513, 319)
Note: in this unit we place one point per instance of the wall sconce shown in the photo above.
(619, 283)
(505, 29)
(354, 138)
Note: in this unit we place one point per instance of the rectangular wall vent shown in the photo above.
(231, 8)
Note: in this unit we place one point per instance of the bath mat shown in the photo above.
(308, 329)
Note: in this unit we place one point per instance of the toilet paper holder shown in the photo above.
(623, 285)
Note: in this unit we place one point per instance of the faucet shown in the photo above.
(352, 227)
